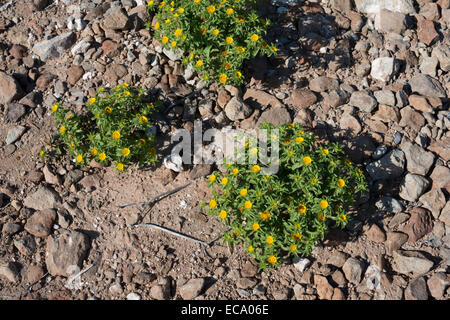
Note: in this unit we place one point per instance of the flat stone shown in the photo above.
(14, 111)
(388, 167)
(43, 198)
(192, 288)
(388, 21)
(385, 97)
(363, 101)
(350, 123)
(418, 225)
(236, 109)
(374, 6)
(420, 103)
(10, 88)
(418, 160)
(376, 234)
(383, 69)
(116, 18)
(74, 73)
(54, 47)
(414, 262)
(413, 186)
(336, 98)
(437, 284)
(434, 201)
(302, 98)
(427, 86)
(429, 66)
(411, 119)
(417, 290)
(441, 148)
(426, 32)
(14, 134)
(261, 97)
(41, 222)
(275, 116)
(442, 53)
(389, 204)
(338, 259)
(9, 271)
(324, 289)
(395, 240)
(322, 84)
(353, 270)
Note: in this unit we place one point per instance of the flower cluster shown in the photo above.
(115, 128)
(285, 214)
(215, 35)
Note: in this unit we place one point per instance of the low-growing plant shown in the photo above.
(285, 214)
(115, 128)
(215, 35)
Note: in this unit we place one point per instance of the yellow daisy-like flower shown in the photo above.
(256, 168)
(254, 151)
(172, 3)
(162, 4)
(324, 204)
(301, 209)
(119, 166)
(199, 63)
(150, 3)
(287, 142)
(299, 139)
(197, 1)
(343, 217)
(341, 183)
(143, 119)
(248, 205)
(269, 239)
(314, 180)
(142, 142)
(264, 45)
(235, 171)
(229, 40)
(238, 74)
(79, 158)
(227, 66)
(254, 37)
(62, 129)
(215, 32)
(94, 152)
(213, 203)
(255, 226)
(108, 110)
(224, 181)
(165, 40)
(223, 78)
(230, 11)
(181, 10)
(125, 152)
(127, 93)
(92, 100)
(240, 19)
(175, 15)
(296, 236)
(272, 260)
(174, 43)
(211, 9)
(348, 162)
(223, 214)
(293, 247)
(157, 25)
(250, 249)
(171, 9)
(274, 49)
(264, 215)
(42, 153)
(125, 85)
(102, 156)
(203, 30)
(178, 32)
(243, 192)
(229, 165)
(322, 217)
(116, 135)
(307, 160)
(212, 178)
(118, 95)
(54, 107)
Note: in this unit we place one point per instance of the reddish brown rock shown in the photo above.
(441, 147)
(324, 289)
(41, 222)
(426, 32)
(261, 97)
(110, 48)
(302, 98)
(420, 103)
(18, 51)
(223, 97)
(418, 225)
(376, 234)
(441, 178)
(74, 73)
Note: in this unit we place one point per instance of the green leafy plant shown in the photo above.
(114, 128)
(215, 35)
(285, 214)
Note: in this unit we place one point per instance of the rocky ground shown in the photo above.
(373, 75)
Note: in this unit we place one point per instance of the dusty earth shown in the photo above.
(373, 77)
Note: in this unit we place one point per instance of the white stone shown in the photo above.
(383, 69)
(80, 47)
(134, 296)
(374, 6)
(174, 162)
(301, 263)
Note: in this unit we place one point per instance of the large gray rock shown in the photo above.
(427, 86)
(10, 89)
(14, 134)
(418, 160)
(41, 222)
(236, 109)
(116, 18)
(54, 47)
(353, 270)
(374, 6)
(389, 204)
(43, 198)
(192, 288)
(388, 21)
(275, 116)
(414, 262)
(66, 252)
(442, 53)
(413, 186)
(383, 69)
(417, 290)
(390, 166)
(363, 101)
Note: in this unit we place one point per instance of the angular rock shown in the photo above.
(66, 252)
(418, 225)
(383, 69)
(192, 288)
(411, 119)
(420, 103)
(418, 160)
(324, 289)
(301, 263)
(9, 271)
(322, 84)
(395, 240)
(441, 148)
(417, 290)
(343, 6)
(10, 88)
(10, 229)
(374, 6)
(442, 53)
(414, 262)
(389, 167)
(336, 98)
(81, 47)
(441, 178)
(437, 284)
(376, 234)
(302, 98)
(353, 270)
(275, 116)
(413, 186)
(262, 98)
(429, 66)
(116, 18)
(41, 222)
(14, 134)
(434, 201)
(426, 32)
(54, 47)
(14, 111)
(363, 101)
(236, 109)
(445, 214)
(74, 73)
(388, 21)
(43, 198)
(427, 86)
(385, 97)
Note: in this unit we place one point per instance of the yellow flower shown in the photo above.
(264, 215)
(343, 217)
(79, 158)
(269, 239)
(307, 160)
(254, 37)
(178, 32)
(116, 135)
(212, 203)
(197, 1)
(211, 9)
(157, 25)
(299, 139)
(227, 66)
(325, 151)
(54, 107)
(264, 45)
(223, 78)
(62, 129)
(314, 180)
(341, 183)
(248, 205)
(255, 227)
(240, 19)
(293, 247)
(94, 152)
(287, 141)
(229, 40)
(102, 156)
(238, 74)
(215, 32)
(243, 192)
(272, 260)
(118, 95)
(172, 3)
(92, 100)
(296, 236)
(254, 151)
(108, 110)
(199, 63)
(150, 3)
(212, 177)
(256, 168)
(322, 217)
(127, 93)
(224, 181)
(175, 15)
(125, 152)
(119, 166)
(165, 40)
(181, 10)
(143, 119)
(171, 9)
(230, 11)
(358, 171)
(142, 142)
(301, 208)
(125, 84)
(324, 204)
(235, 171)
(162, 4)
(250, 249)
(274, 49)
(174, 43)
(223, 214)
(348, 162)
(42, 153)
(229, 165)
